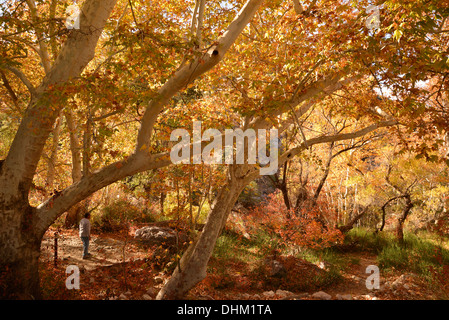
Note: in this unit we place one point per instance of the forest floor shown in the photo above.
(120, 269)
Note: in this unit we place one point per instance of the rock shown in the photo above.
(396, 284)
(268, 294)
(146, 297)
(256, 297)
(283, 293)
(402, 281)
(152, 292)
(128, 293)
(246, 296)
(321, 295)
(122, 297)
(344, 296)
(154, 235)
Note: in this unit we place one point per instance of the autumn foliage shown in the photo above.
(303, 228)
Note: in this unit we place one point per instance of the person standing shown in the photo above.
(85, 235)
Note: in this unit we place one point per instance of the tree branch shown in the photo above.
(192, 71)
(26, 149)
(43, 49)
(52, 208)
(19, 74)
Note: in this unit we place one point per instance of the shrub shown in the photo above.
(303, 228)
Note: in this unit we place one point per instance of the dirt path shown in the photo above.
(105, 251)
(354, 282)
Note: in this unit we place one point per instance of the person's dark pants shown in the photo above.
(85, 241)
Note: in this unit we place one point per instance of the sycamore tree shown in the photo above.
(269, 62)
(23, 225)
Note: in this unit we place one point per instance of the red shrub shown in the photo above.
(307, 227)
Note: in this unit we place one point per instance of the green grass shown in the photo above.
(418, 254)
(359, 239)
(234, 247)
(330, 256)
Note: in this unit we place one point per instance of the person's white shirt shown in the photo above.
(84, 227)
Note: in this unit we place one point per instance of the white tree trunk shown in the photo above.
(19, 237)
(194, 261)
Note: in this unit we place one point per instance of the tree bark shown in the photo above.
(194, 261)
(73, 214)
(347, 227)
(53, 158)
(401, 220)
(20, 236)
(282, 185)
(404, 193)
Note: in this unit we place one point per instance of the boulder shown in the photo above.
(246, 296)
(343, 296)
(268, 294)
(123, 297)
(321, 295)
(154, 235)
(283, 293)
